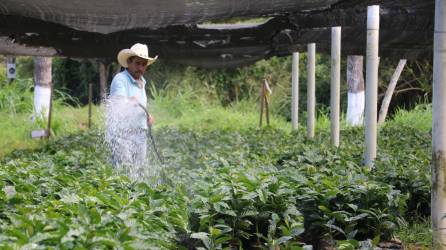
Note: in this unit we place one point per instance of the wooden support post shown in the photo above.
(438, 198)
(117, 69)
(371, 92)
(262, 103)
(43, 92)
(103, 78)
(295, 92)
(311, 89)
(355, 95)
(90, 100)
(335, 88)
(267, 91)
(389, 92)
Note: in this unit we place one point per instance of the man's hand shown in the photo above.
(150, 120)
(133, 99)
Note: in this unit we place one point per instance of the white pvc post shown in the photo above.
(311, 89)
(295, 91)
(438, 198)
(335, 88)
(371, 90)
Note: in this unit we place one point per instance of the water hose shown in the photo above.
(149, 133)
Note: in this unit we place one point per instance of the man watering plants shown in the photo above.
(127, 120)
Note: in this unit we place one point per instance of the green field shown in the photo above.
(226, 184)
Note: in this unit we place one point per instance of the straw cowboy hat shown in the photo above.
(139, 50)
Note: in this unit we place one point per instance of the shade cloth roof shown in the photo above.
(100, 28)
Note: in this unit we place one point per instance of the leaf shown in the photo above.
(249, 213)
(353, 206)
(262, 195)
(229, 212)
(283, 239)
(38, 237)
(297, 231)
(104, 241)
(357, 217)
(335, 228)
(18, 234)
(222, 240)
(9, 191)
(388, 225)
(204, 237)
(376, 239)
(348, 244)
(70, 198)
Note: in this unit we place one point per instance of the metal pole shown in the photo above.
(295, 91)
(50, 112)
(311, 89)
(371, 90)
(335, 88)
(438, 198)
(90, 100)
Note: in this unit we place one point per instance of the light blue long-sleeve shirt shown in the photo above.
(124, 85)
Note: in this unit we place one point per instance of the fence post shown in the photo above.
(371, 89)
(311, 89)
(335, 84)
(438, 198)
(295, 92)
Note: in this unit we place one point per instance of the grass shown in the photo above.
(416, 235)
(420, 117)
(16, 128)
(210, 116)
(182, 109)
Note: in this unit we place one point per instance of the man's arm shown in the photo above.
(118, 92)
(117, 88)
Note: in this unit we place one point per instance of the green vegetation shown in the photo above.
(221, 188)
(16, 110)
(226, 184)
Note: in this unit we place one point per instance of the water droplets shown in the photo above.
(130, 149)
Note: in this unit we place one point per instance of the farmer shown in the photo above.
(127, 123)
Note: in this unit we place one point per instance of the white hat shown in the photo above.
(139, 50)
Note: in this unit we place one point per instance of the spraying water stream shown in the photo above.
(132, 153)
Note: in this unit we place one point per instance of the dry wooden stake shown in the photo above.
(267, 91)
(103, 78)
(90, 100)
(389, 92)
(264, 102)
